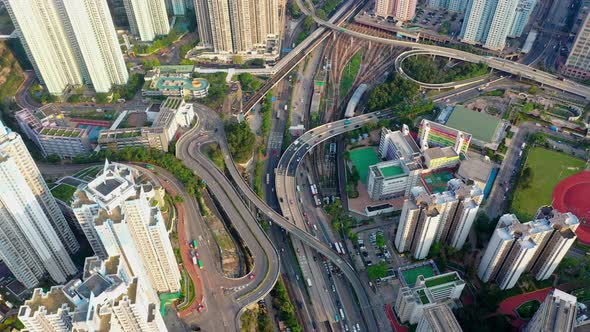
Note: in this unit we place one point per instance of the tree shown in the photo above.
(377, 271)
(380, 240)
(241, 140)
(53, 158)
(308, 23)
(178, 199)
(238, 59)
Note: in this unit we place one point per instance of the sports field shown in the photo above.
(362, 159)
(437, 182)
(411, 275)
(481, 125)
(548, 169)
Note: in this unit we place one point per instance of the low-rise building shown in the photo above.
(105, 299)
(476, 170)
(174, 81)
(392, 179)
(427, 292)
(435, 158)
(174, 112)
(51, 135)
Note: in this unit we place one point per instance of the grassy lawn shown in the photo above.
(63, 192)
(528, 309)
(349, 73)
(548, 169)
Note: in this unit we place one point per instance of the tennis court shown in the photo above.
(437, 182)
(411, 275)
(362, 159)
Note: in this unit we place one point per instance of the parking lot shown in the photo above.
(439, 20)
(375, 246)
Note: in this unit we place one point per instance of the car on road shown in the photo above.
(274, 152)
(201, 307)
(251, 276)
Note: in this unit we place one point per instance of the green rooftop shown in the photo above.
(411, 275)
(423, 297)
(63, 192)
(390, 171)
(441, 279)
(480, 125)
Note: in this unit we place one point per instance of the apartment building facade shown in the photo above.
(149, 18)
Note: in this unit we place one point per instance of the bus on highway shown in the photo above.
(149, 166)
(337, 247)
(200, 263)
(341, 313)
(195, 244)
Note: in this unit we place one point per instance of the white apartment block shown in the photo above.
(34, 236)
(537, 247)
(557, 313)
(443, 217)
(105, 299)
(248, 27)
(115, 213)
(418, 224)
(488, 22)
(148, 18)
(394, 178)
(39, 24)
(97, 42)
(70, 42)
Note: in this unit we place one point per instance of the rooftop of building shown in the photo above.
(441, 279)
(172, 103)
(390, 169)
(178, 83)
(475, 169)
(443, 129)
(440, 318)
(437, 152)
(404, 144)
(52, 301)
(176, 69)
(480, 124)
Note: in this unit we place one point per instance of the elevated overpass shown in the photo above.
(433, 86)
(240, 189)
(507, 66)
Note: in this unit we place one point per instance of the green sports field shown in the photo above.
(411, 275)
(548, 169)
(362, 159)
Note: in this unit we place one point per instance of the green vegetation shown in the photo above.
(266, 111)
(494, 93)
(441, 280)
(10, 323)
(187, 294)
(445, 28)
(214, 153)
(184, 49)
(40, 95)
(258, 177)
(401, 95)
(380, 240)
(543, 170)
(349, 73)
(377, 271)
(63, 192)
(476, 318)
(150, 63)
(340, 222)
(129, 90)
(241, 140)
(218, 88)
(574, 270)
(249, 82)
(282, 303)
(308, 24)
(11, 73)
(158, 43)
(327, 8)
(425, 69)
(528, 309)
(293, 9)
(159, 158)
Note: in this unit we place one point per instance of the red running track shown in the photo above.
(509, 305)
(186, 258)
(573, 195)
(397, 327)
